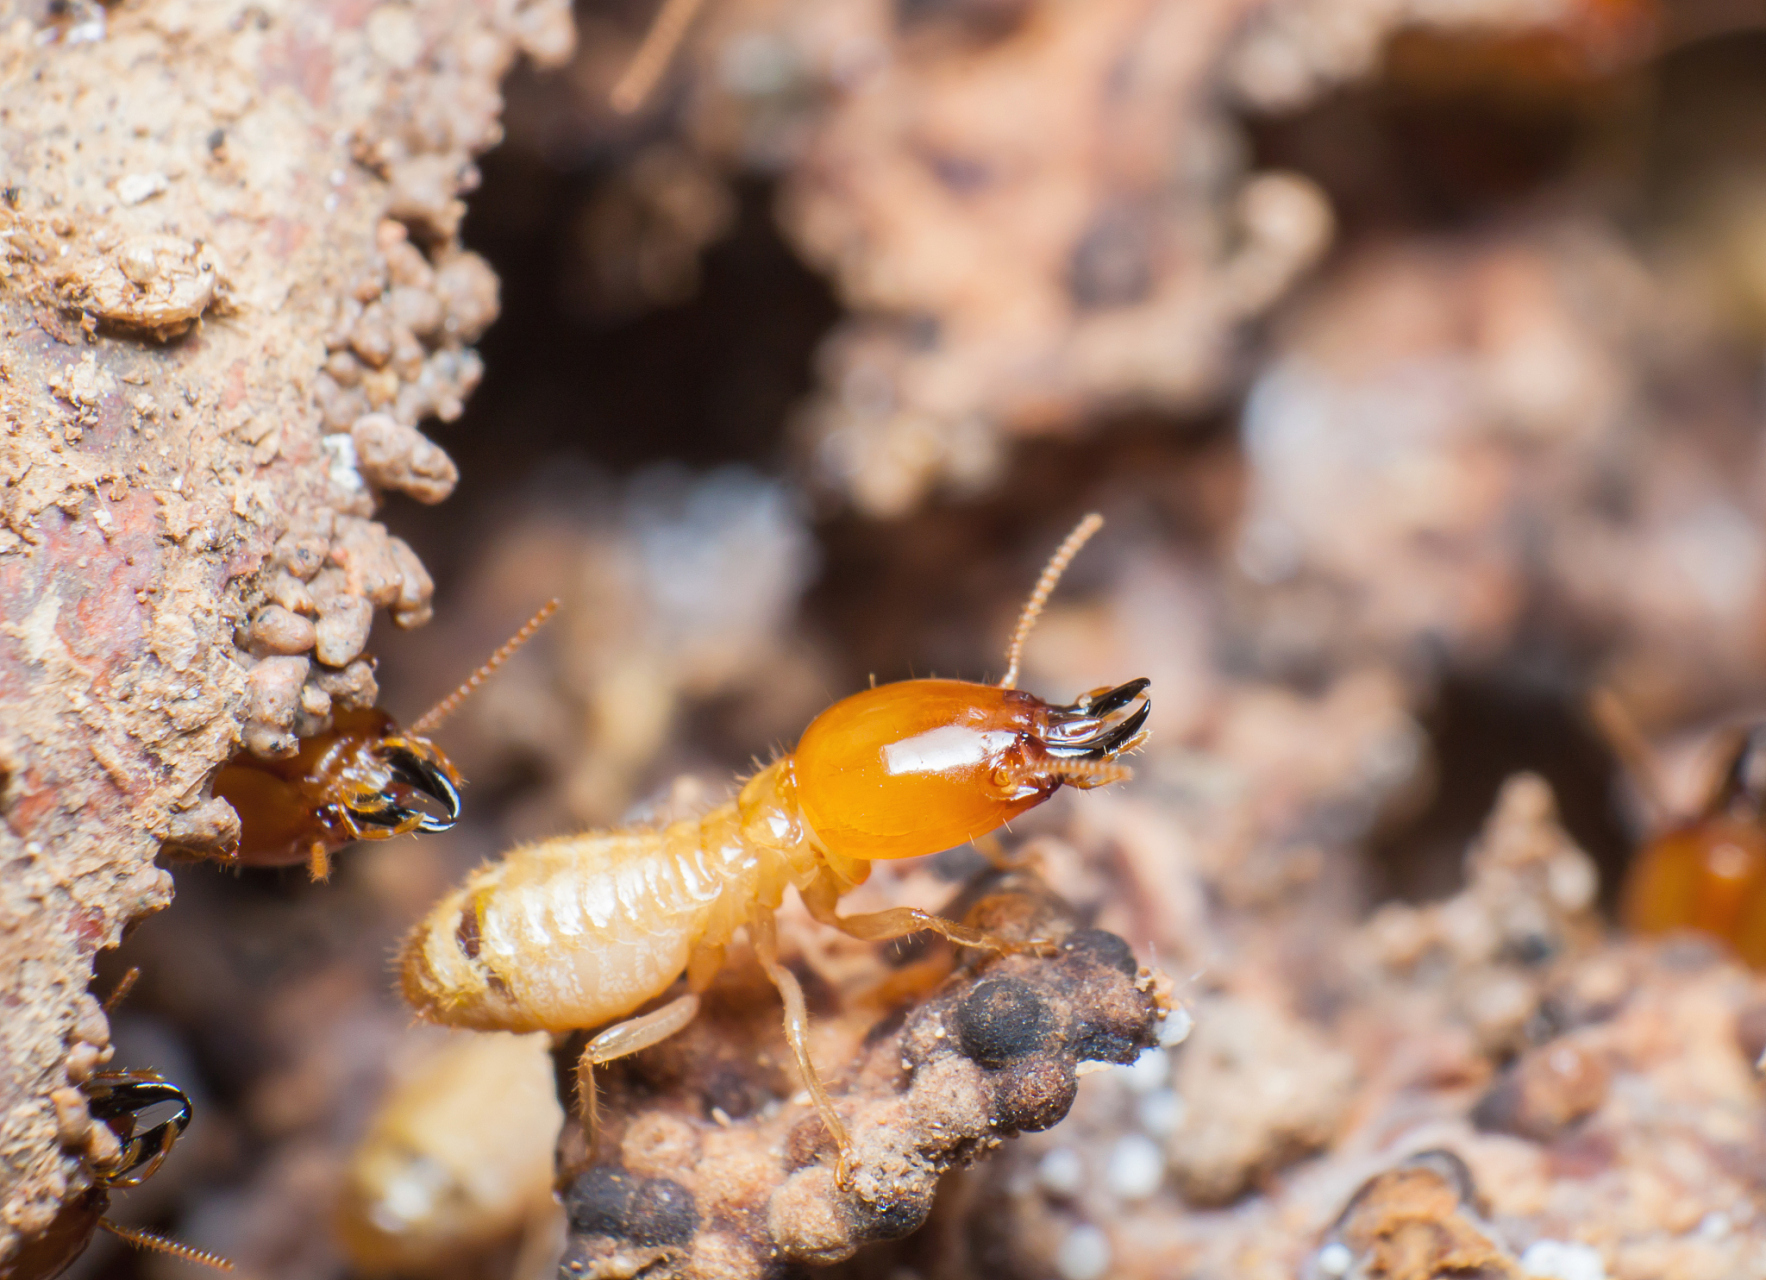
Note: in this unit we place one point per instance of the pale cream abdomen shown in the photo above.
(579, 931)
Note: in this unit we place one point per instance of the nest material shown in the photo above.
(710, 1164)
(204, 205)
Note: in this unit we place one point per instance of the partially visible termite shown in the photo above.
(118, 1100)
(1704, 871)
(457, 1158)
(578, 931)
(362, 779)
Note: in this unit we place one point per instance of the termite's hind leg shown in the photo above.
(766, 947)
(624, 1038)
(822, 895)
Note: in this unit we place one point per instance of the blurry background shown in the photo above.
(1412, 350)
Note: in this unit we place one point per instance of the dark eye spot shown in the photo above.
(467, 933)
(1002, 1020)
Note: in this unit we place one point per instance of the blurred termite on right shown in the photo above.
(1706, 870)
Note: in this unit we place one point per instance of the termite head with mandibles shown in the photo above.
(122, 1101)
(364, 778)
(911, 768)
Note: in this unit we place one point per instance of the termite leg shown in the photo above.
(766, 947)
(624, 1038)
(897, 922)
(702, 967)
(319, 862)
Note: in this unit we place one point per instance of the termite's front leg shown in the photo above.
(822, 895)
(624, 1038)
(765, 935)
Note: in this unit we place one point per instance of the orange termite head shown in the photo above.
(908, 769)
(911, 768)
(362, 779)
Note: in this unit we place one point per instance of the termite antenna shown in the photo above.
(1045, 587)
(653, 55)
(151, 1240)
(1613, 720)
(120, 992)
(430, 719)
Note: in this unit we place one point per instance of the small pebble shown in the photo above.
(1083, 1255)
(1174, 1027)
(1136, 1167)
(1061, 1172)
(1562, 1260)
(1335, 1259)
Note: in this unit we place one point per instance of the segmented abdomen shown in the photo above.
(579, 931)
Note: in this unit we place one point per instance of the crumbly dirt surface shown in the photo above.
(1381, 518)
(230, 287)
(712, 1165)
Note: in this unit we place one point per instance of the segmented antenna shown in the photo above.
(430, 719)
(119, 992)
(1045, 587)
(152, 1240)
(1627, 741)
(653, 55)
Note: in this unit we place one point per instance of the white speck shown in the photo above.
(343, 461)
(1136, 1167)
(1150, 1071)
(1083, 1255)
(1174, 1027)
(1335, 1259)
(133, 188)
(88, 32)
(1715, 1225)
(1562, 1260)
(1572, 882)
(331, 203)
(1161, 1112)
(33, 848)
(177, 484)
(337, 176)
(1060, 1172)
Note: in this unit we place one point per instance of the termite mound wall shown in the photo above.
(231, 286)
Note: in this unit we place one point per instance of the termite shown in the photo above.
(577, 931)
(362, 779)
(1706, 871)
(118, 1100)
(458, 1158)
